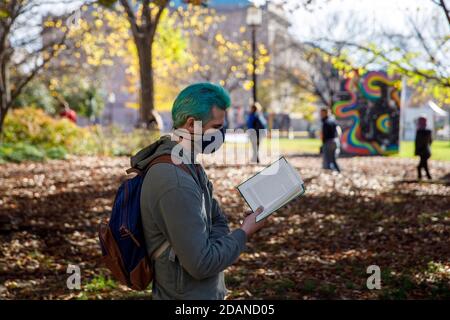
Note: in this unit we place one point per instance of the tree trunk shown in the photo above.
(5, 92)
(2, 118)
(143, 34)
(145, 53)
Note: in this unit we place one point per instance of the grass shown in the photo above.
(285, 145)
(100, 283)
(440, 149)
(97, 285)
(297, 145)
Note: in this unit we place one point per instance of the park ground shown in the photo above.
(317, 247)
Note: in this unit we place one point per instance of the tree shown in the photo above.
(100, 41)
(22, 55)
(170, 48)
(318, 76)
(420, 52)
(190, 47)
(143, 17)
(215, 57)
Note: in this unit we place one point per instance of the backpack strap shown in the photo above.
(164, 158)
(167, 158)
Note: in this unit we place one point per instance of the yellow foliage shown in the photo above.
(98, 23)
(248, 85)
(35, 127)
(132, 105)
(49, 23)
(171, 57)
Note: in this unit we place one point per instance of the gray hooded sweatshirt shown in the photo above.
(180, 208)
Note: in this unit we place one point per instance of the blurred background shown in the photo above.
(113, 68)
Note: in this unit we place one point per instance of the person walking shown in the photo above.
(257, 125)
(422, 146)
(330, 141)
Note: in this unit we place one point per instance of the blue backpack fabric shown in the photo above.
(122, 237)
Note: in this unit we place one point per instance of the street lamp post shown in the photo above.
(254, 19)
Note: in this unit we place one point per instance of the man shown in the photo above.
(256, 122)
(422, 146)
(330, 141)
(179, 207)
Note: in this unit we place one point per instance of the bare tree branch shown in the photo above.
(18, 89)
(413, 70)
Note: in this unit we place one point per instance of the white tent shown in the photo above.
(439, 111)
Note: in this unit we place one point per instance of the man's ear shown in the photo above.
(189, 125)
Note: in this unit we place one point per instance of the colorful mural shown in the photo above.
(368, 111)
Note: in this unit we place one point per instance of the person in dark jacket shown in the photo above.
(330, 141)
(258, 123)
(422, 146)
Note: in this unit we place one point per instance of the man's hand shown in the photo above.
(250, 226)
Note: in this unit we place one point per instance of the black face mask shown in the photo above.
(212, 141)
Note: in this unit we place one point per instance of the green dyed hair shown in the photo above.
(197, 100)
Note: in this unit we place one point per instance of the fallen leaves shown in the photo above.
(317, 246)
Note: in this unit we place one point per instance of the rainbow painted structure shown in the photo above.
(368, 112)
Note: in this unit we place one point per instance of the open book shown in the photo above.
(272, 188)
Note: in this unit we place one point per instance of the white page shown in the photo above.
(272, 187)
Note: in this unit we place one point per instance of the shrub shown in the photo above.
(34, 127)
(37, 94)
(56, 153)
(20, 152)
(31, 134)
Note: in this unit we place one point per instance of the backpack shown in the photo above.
(122, 237)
